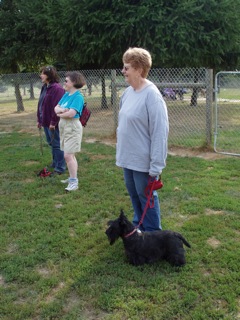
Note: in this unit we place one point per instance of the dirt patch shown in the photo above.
(198, 153)
(54, 292)
(213, 242)
(44, 272)
(2, 282)
(210, 212)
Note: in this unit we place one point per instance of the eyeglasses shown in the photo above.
(126, 68)
(48, 68)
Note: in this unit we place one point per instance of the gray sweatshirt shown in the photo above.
(142, 132)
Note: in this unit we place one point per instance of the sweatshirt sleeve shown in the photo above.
(38, 110)
(158, 131)
(58, 92)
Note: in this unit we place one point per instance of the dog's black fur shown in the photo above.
(147, 247)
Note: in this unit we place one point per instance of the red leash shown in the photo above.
(152, 185)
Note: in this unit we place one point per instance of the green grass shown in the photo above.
(228, 126)
(229, 93)
(56, 262)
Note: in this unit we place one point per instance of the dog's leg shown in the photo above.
(135, 259)
(177, 258)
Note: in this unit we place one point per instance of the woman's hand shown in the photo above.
(52, 128)
(58, 109)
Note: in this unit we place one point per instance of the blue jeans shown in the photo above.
(53, 139)
(136, 183)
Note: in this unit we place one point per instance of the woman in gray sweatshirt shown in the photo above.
(142, 136)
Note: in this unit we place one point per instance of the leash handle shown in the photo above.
(152, 185)
(150, 199)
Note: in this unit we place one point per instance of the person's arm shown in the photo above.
(158, 128)
(58, 109)
(57, 93)
(39, 125)
(67, 114)
(72, 108)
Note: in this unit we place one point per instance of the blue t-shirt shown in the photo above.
(74, 101)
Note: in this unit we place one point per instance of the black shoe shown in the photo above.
(55, 173)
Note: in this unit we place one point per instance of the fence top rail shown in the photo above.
(170, 85)
(227, 72)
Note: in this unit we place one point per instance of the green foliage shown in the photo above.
(95, 33)
(23, 41)
(178, 33)
(56, 262)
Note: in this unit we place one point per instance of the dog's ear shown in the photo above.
(122, 218)
(122, 215)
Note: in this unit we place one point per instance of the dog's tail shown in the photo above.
(183, 240)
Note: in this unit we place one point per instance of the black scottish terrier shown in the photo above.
(147, 247)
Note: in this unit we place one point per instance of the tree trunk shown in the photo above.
(104, 98)
(31, 91)
(194, 96)
(20, 106)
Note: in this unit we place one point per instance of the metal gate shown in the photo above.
(227, 113)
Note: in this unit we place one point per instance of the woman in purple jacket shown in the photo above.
(51, 93)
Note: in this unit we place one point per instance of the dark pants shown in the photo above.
(53, 139)
(136, 183)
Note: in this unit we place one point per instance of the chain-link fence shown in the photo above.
(188, 94)
(227, 113)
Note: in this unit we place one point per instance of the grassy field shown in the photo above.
(56, 262)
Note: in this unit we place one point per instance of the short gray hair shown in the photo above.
(138, 58)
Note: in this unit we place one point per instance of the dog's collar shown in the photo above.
(130, 233)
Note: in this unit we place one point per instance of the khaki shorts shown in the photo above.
(70, 135)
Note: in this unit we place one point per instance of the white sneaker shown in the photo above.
(72, 186)
(65, 181)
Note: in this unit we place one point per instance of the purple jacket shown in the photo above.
(53, 95)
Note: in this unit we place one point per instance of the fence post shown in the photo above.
(209, 103)
(114, 99)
